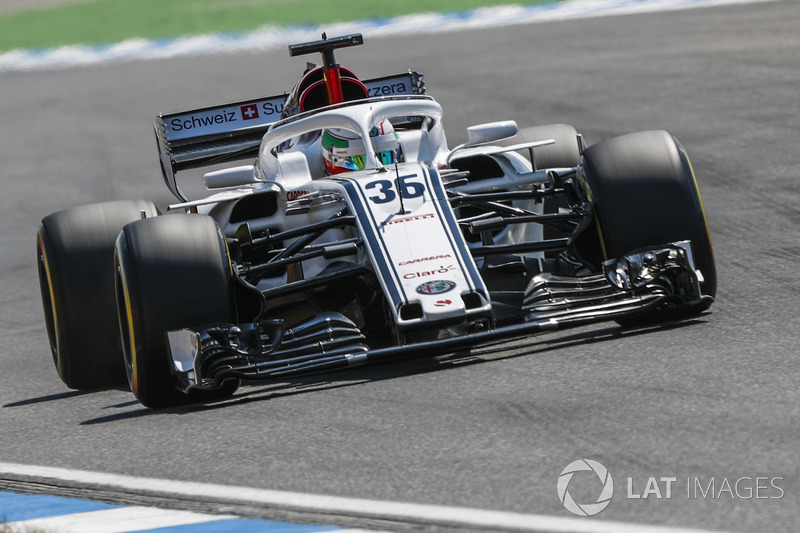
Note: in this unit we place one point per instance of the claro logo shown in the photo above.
(429, 273)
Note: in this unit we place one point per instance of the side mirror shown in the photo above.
(492, 131)
(231, 177)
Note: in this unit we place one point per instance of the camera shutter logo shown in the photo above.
(585, 509)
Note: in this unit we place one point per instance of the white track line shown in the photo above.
(336, 505)
(270, 37)
(116, 520)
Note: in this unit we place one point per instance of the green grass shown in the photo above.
(110, 21)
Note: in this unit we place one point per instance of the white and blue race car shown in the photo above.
(357, 235)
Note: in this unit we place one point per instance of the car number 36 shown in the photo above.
(387, 189)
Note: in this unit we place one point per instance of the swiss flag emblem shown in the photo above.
(249, 112)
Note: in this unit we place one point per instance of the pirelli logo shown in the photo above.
(406, 219)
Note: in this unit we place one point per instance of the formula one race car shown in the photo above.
(358, 236)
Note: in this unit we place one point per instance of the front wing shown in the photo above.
(640, 282)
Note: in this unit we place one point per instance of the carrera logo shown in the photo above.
(436, 287)
(192, 122)
(427, 273)
(443, 303)
(406, 219)
(249, 112)
(424, 259)
(294, 195)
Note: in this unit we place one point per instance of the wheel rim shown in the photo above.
(125, 313)
(48, 301)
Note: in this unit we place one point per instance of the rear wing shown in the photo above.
(211, 135)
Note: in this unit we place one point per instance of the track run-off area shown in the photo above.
(697, 422)
(271, 37)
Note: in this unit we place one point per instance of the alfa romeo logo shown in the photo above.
(585, 509)
(436, 287)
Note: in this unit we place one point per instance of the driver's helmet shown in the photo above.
(344, 150)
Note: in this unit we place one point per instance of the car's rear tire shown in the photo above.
(565, 153)
(172, 272)
(644, 193)
(75, 255)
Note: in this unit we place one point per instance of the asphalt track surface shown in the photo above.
(713, 398)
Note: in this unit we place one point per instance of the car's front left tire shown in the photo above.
(644, 193)
(172, 272)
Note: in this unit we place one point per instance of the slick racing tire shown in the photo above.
(75, 255)
(644, 193)
(172, 272)
(565, 153)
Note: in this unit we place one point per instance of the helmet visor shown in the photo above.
(358, 162)
(352, 162)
